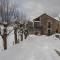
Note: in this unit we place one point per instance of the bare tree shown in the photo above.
(7, 14)
(20, 22)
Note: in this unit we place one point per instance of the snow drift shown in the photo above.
(33, 48)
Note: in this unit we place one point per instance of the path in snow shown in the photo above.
(33, 48)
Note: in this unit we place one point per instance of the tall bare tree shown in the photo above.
(7, 14)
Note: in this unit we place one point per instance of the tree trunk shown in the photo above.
(5, 38)
(15, 33)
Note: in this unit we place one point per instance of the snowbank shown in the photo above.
(1, 44)
(33, 48)
(10, 40)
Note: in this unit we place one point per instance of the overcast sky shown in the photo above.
(34, 8)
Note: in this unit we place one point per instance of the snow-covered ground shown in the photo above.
(10, 40)
(33, 48)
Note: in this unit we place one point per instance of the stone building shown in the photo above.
(46, 25)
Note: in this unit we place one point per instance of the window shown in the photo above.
(49, 25)
(49, 28)
(56, 30)
(36, 24)
(49, 32)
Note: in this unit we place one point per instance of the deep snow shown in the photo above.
(33, 48)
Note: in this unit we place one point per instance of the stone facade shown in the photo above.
(46, 25)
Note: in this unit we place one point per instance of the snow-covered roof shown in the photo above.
(57, 18)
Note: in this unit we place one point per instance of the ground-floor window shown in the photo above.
(49, 32)
(49, 28)
(56, 30)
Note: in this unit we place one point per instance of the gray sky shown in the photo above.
(34, 8)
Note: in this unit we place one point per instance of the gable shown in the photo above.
(44, 16)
